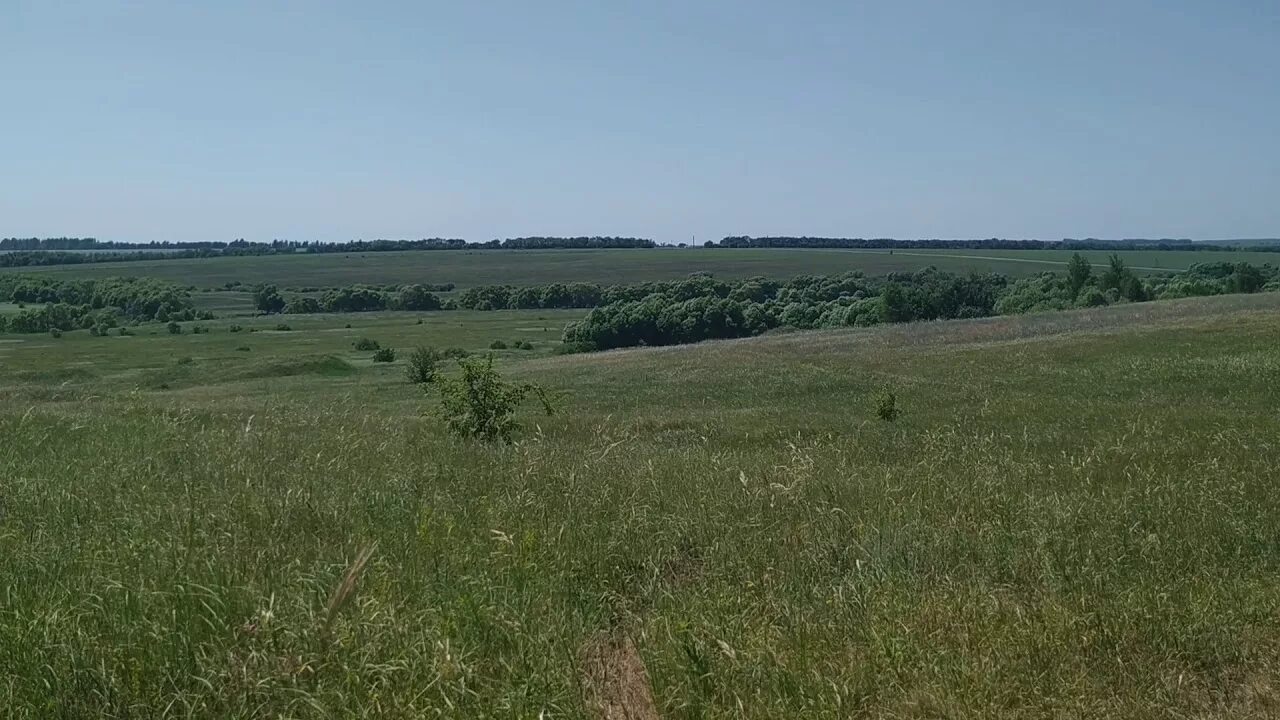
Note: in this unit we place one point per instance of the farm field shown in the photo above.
(531, 267)
(1074, 516)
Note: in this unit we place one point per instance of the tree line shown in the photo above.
(516, 243)
(743, 241)
(703, 308)
(72, 304)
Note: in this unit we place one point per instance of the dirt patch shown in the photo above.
(615, 680)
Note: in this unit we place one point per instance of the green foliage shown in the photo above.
(497, 345)
(234, 328)
(365, 344)
(887, 405)
(283, 327)
(421, 368)
(522, 345)
(384, 355)
(301, 304)
(174, 328)
(479, 403)
(1079, 274)
(1091, 297)
(267, 299)
(55, 333)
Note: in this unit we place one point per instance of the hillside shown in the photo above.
(1073, 517)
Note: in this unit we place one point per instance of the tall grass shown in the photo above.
(1058, 525)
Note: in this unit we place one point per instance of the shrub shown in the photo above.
(422, 365)
(174, 328)
(243, 348)
(478, 403)
(365, 343)
(1091, 297)
(497, 345)
(887, 405)
(124, 332)
(522, 345)
(198, 330)
(455, 352)
(283, 327)
(234, 328)
(385, 355)
(185, 360)
(55, 333)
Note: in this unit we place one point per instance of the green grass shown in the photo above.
(468, 268)
(1075, 516)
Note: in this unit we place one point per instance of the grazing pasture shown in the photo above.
(1073, 516)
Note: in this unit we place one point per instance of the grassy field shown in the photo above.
(1075, 516)
(468, 268)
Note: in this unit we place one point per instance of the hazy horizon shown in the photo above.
(148, 121)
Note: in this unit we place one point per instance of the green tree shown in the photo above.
(267, 299)
(1079, 273)
(479, 403)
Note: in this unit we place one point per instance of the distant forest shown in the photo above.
(244, 247)
(743, 241)
(22, 252)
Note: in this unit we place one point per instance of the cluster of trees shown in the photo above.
(1080, 286)
(702, 308)
(354, 298)
(742, 241)
(72, 304)
(58, 243)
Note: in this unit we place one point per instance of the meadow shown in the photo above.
(1074, 516)
(532, 267)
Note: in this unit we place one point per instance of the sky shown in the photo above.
(672, 120)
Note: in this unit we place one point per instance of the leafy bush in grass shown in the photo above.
(421, 368)
(887, 405)
(385, 355)
(479, 403)
(497, 345)
(174, 328)
(365, 344)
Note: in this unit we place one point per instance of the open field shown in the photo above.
(1074, 517)
(529, 267)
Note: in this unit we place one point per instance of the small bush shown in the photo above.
(185, 360)
(174, 328)
(124, 332)
(365, 344)
(522, 345)
(497, 345)
(347, 326)
(385, 355)
(455, 353)
(419, 321)
(243, 348)
(283, 327)
(478, 403)
(198, 330)
(422, 365)
(887, 405)
(234, 328)
(55, 333)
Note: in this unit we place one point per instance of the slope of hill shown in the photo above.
(1074, 516)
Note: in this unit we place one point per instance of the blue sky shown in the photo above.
(163, 120)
